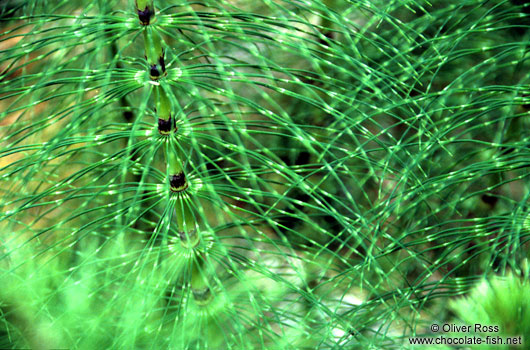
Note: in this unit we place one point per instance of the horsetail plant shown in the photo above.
(186, 221)
(326, 174)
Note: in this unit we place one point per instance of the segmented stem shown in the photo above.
(199, 284)
(166, 122)
(186, 220)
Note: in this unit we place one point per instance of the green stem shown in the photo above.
(166, 122)
(177, 178)
(154, 53)
(186, 224)
(199, 284)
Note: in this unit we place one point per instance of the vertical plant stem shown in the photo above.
(199, 283)
(186, 221)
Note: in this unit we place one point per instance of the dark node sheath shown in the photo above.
(201, 294)
(162, 63)
(128, 115)
(186, 236)
(145, 16)
(154, 72)
(159, 69)
(166, 126)
(178, 182)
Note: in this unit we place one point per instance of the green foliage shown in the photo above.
(498, 302)
(337, 171)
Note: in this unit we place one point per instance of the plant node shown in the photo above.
(145, 12)
(165, 126)
(202, 296)
(189, 239)
(177, 182)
